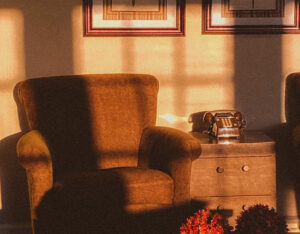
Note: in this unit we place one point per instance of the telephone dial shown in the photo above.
(221, 124)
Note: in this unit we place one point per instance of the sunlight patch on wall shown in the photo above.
(198, 98)
(11, 71)
(218, 58)
(173, 118)
(95, 54)
(11, 45)
(165, 107)
(174, 121)
(210, 97)
(206, 55)
(154, 55)
(12, 67)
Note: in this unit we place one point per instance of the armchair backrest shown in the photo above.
(91, 121)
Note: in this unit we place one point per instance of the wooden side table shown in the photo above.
(231, 177)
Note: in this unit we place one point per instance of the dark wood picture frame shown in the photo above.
(177, 30)
(209, 28)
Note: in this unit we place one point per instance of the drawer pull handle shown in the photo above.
(244, 207)
(245, 168)
(220, 207)
(220, 169)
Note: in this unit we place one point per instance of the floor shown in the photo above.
(15, 229)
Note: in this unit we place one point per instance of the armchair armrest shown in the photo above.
(34, 155)
(171, 151)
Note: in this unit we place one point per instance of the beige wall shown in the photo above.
(196, 72)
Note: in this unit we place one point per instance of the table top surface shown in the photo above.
(251, 143)
(246, 138)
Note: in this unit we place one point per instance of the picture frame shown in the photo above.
(250, 17)
(134, 17)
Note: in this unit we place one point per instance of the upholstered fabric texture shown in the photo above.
(171, 151)
(292, 108)
(141, 186)
(34, 156)
(93, 120)
(292, 99)
(145, 185)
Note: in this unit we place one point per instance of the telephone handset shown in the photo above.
(224, 123)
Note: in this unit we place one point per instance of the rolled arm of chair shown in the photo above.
(34, 156)
(171, 151)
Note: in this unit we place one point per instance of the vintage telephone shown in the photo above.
(221, 124)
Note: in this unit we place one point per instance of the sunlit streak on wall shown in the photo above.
(94, 54)
(196, 81)
(209, 75)
(217, 60)
(194, 72)
(12, 67)
(173, 119)
(165, 105)
(154, 55)
(198, 98)
(210, 97)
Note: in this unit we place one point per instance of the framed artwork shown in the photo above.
(134, 17)
(250, 16)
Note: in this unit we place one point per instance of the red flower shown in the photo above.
(203, 222)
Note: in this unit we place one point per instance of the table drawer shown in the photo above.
(233, 176)
(232, 207)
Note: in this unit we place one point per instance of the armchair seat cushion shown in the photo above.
(141, 187)
(145, 185)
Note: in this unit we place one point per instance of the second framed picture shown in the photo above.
(250, 16)
(134, 17)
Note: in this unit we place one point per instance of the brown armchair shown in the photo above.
(289, 146)
(93, 125)
(292, 113)
(292, 110)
